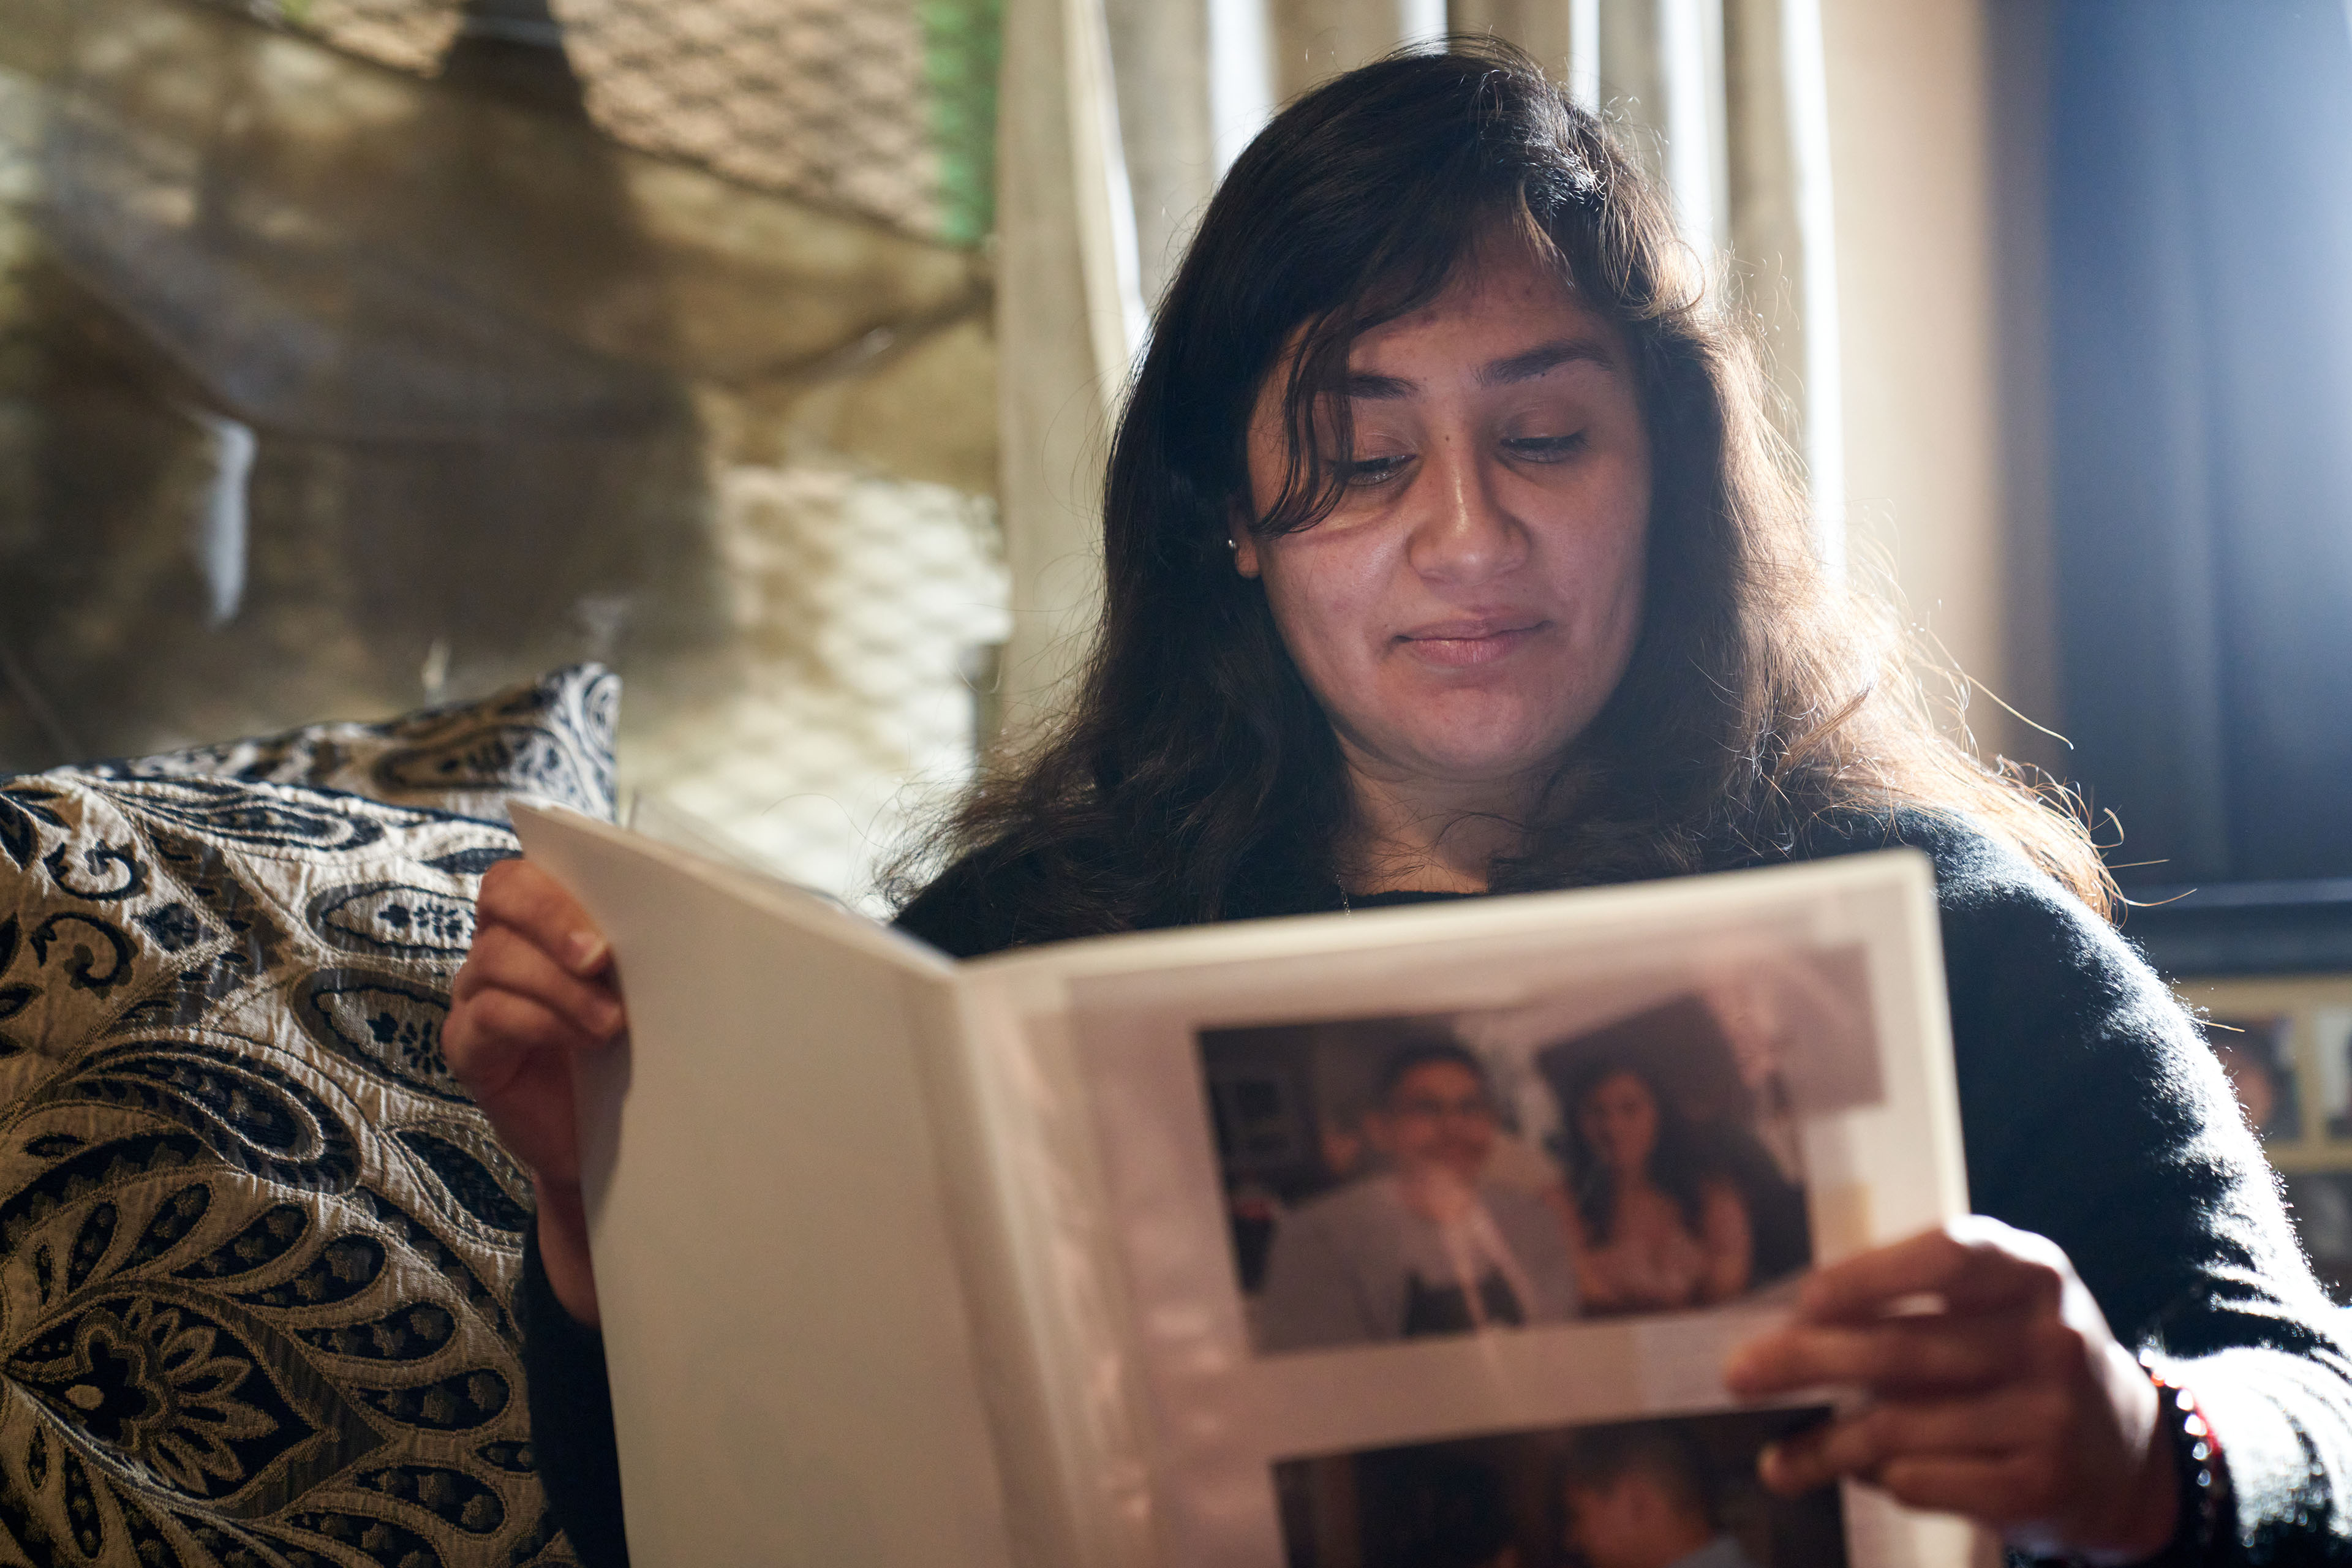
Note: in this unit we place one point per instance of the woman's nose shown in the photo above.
(1465, 531)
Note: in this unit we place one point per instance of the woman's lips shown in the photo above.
(1459, 645)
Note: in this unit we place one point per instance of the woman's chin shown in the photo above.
(1475, 760)
(1493, 736)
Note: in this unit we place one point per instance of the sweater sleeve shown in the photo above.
(571, 1417)
(2094, 1116)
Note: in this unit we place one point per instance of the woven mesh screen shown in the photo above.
(327, 389)
(410, 34)
(883, 106)
(856, 601)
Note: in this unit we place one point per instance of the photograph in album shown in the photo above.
(1570, 1158)
(1628, 1494)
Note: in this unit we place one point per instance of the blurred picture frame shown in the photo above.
(2284, 1043)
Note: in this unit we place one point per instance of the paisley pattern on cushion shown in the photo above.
(551, 740)
(256, 1249)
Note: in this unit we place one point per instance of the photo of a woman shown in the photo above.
(1651, 1225)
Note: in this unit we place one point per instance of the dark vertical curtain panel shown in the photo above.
(2200, 228)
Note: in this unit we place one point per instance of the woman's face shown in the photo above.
(1619, 1119)
(1474, 600)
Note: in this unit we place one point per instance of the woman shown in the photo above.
(1424, 1244)
(1445, 555)
(1648, 1228)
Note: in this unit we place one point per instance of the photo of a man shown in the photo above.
(1424, 1243)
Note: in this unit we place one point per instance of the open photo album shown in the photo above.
(1400, 1237)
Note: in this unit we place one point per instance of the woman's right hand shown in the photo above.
(536, 990)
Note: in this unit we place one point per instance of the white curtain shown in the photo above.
(1069, 319)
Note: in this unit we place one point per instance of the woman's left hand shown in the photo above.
(1997, 1391)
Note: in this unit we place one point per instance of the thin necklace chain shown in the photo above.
(1345, 907)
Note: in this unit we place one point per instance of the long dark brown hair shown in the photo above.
(1194, 777)
(1677, 1165)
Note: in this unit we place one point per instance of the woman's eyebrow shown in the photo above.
(1544, 358)
(1380, 388)
(1518, 367)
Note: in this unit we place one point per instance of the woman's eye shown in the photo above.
(1358, 472)
(1544, 448)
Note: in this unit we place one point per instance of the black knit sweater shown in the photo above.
(2092, 1113)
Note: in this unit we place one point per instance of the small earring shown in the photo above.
(1230, 544)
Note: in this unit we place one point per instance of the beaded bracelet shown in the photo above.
(2206, 1511)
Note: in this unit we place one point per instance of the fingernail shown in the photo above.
(609, 1019)
(1767, 1461)
(588, 951)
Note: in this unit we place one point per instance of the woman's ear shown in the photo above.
(1244, 544)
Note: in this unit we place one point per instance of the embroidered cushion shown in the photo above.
(255, 1247)
(551, 740)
